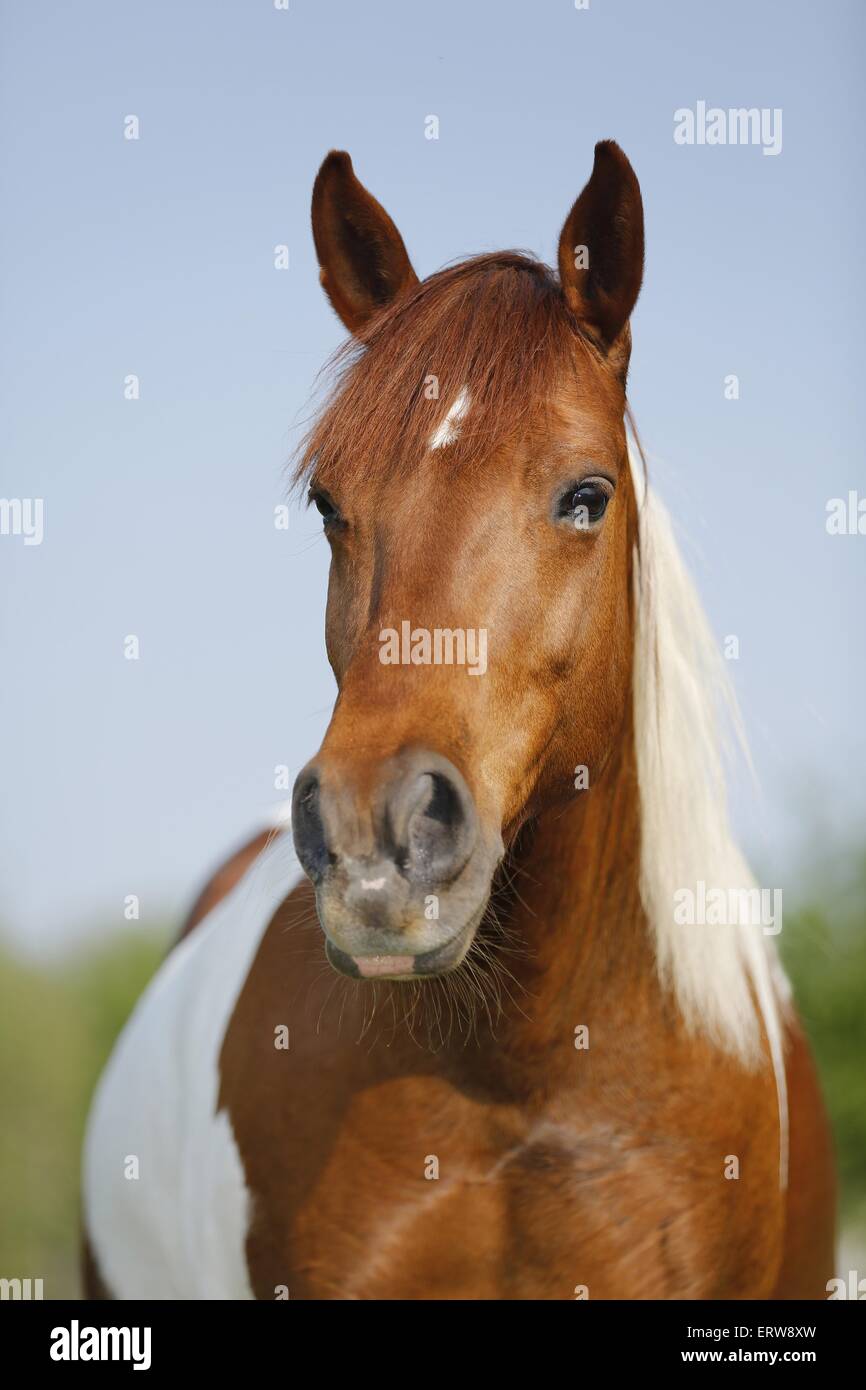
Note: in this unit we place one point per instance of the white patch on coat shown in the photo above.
(447, 431)
(178, 1230)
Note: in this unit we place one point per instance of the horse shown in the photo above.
(484, 1049)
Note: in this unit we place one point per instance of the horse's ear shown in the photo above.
(601, 252)
(362, 259)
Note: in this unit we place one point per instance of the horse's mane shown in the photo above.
(726, 979)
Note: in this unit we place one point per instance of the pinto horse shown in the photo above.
(479, 1051)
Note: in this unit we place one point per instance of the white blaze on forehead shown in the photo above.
(446, 432)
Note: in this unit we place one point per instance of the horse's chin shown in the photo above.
(442, 960)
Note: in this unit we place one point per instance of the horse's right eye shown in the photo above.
(329, 513)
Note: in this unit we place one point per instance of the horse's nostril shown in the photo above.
(434, 812)
(444, 805)
(307, 827)
(419, 819)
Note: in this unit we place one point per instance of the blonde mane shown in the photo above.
(726, 980)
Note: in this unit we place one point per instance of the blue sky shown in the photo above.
(155, 257)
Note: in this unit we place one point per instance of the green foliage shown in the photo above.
(824, 950)
(57, 1027)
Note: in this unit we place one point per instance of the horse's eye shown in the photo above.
(584, 504)
(325, 507)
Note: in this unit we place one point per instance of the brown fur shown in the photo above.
(94, 1287)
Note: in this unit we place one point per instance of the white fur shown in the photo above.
(178, 1230)
(681, 695)
(447, 431)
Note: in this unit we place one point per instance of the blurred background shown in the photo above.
(163, 329)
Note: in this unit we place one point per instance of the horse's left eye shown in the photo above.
(584, 504)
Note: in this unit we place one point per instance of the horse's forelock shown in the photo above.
(496, 326)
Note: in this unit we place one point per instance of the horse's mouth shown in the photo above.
(425, 964)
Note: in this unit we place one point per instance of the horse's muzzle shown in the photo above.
(400, 867)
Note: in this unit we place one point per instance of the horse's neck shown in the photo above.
(572, 912)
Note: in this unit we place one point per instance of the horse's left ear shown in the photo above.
(601, 251)
(363, 263)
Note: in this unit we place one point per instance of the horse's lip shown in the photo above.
(384, 967)
(405, 967)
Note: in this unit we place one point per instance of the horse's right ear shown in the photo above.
(601, 252)
(363, 263)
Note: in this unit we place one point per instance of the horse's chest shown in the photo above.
(444, 1226)
(470, 1211)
